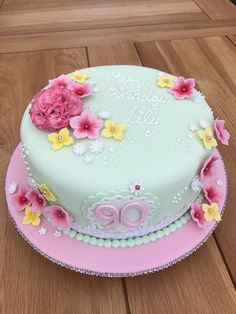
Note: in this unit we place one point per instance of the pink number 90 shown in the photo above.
(111, 214)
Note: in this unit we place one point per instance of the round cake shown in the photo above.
(119, 152)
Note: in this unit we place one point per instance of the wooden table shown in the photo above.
(43, 38)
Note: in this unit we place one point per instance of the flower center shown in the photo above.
(60, 214)
(166, 80)
(60, 138)
(24, 199)
(113, 128)
(183, 89)
(209, 193)
(210, 210)
(45, 192)
(32, 214)
(80, 92)
(196, 215)
(209, 138)
(137, 187)
(86, 126)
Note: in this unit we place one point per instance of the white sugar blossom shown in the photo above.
(88, 159)
(42, 231)
(193, 127)
(219, 182)
(96, 147)
(79, 149)
(196, 184)
(104, 114)
(12, 188)
(136, 187)
(57, 234)
(32, 182)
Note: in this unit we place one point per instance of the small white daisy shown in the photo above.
(32, 182)
(196, 184)
(136, 187)
(12, 188)
(96, 147)
(219, 182)
(79, 149)
(193, 127)
(88, 159)
(104, 114)
(42, 231)
(57, 234)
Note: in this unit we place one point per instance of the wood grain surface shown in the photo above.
(41, 39)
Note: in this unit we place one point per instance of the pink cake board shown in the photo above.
(110, 262)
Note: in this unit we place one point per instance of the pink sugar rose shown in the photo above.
(53, 108)
(20, 200)
(198, 214)
(82, 90)
(62, 81)
(183, 88)
(86, 125)
(36, 199)
(222, 134)
(59, 216)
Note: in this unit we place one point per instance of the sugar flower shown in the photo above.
(58, 216)
(96, 147)
(208, 167)
(42, 231)
(104, 114)
(165, 81)
(37, 200)
(20, 200)
(196, 184)
(222, 134)
(79, 149)
(62, 81)
(207, 137)
(198, 214)
(88, 159)
(86, 125)
(212, 194)
(79, 77)
(60, 139)
(211, 212)
(12, 188)
(82, 90)
(30, 217)
(114, 130)
(136, 187)
(183, 88)
(53, 107)
(47, 193)
(57, 234)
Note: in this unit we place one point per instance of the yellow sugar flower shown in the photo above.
(79, 77)
(60, 139)
(30, 217)
(211, 212)
(114, 130)
(207, 137)
(165, 81)
(47, 193)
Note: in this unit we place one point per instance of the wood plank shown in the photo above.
(200, 59)
(71, 39)
(29, 282)
(218, 9)
(205, 270)
(232, 38)
(93, 17)
(199, 284)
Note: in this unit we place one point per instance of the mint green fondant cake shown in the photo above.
(125, 164)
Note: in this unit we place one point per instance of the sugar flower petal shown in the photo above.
(60, 139)
(58, 216)
(222, 134)
(165, 81)
(211, 212)
(114, 130)
(212, 193)
(79, 77)
(36, 199)
(198, 214)
(20, 200)
(47, 193)
(208, 168)
(31, 217)
(183, 88)
(206, 136)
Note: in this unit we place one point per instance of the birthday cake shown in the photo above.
(119, 156)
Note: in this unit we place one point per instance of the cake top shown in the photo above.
(124, 124)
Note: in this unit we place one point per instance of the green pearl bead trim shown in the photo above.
(132, 241)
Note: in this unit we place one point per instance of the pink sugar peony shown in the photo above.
(53, 108)
(222, 134)
(82, 90)
(183, 88)
(208, 167)
(86, 125)
(198, 214)
(20, 200)
(59, 216)
(36, 199)
(62, 81)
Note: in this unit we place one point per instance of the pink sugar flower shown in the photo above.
(183, 88)
(20, 200)
(36, 199)
(59, 216)
(62, 81)
(86, 125)
(198, 214)
(222, 134)
(208, 167)
(212, 194)
(53, 108)
(82, 90)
